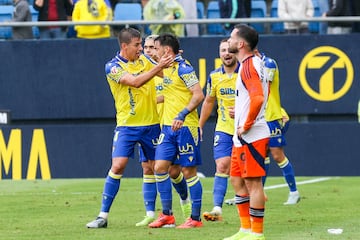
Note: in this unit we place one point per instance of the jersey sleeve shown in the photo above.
(270, 67)
(114, 71)
(210, 91)
(187, 74)
(253, 85)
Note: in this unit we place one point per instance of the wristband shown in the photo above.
(181, 116)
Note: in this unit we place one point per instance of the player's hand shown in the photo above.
(201, 134)
(240, 131)
(169, 17)
(231, 111)
(176, 124)
(165, 61)
(284, 119)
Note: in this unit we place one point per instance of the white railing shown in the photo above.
(184, 21)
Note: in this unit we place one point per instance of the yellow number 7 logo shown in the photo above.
(329, 60)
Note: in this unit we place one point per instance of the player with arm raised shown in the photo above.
(129, 76)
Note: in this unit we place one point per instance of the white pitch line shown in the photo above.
(300, 183)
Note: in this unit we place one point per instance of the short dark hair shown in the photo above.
(126, 34)
(249, 34)
(170, 40)
(224, 40)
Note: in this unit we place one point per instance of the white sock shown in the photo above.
(217, 209)
(104, 215)
(150, 214)
(183, 202)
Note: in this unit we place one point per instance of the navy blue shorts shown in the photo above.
(125, 139)
(180, 147)
(277, 133)
(222, 145)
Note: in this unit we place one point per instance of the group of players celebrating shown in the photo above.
(157, 93)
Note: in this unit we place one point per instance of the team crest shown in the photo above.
(114, 70)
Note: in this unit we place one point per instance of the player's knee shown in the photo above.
(223, 166)
(189, 172)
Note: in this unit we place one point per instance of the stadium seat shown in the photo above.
(6, 12)
(258, 10)
(6, 2)
(315, 26)
(128, 11)
(277, 27)
(34, 15)
(200, 15)
(200, 9)
(213, 11)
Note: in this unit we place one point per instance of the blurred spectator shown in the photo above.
(89, 11)
(234, 9)
(53, 10)
(356, 12)
(324, 7)
(166, 10)
(21, 14)
(289, 9)
(190, 8)
(338, 8)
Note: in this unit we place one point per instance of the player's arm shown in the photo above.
(139, 80)
(208, 103)
(231, 110)
(253, 84)
(206, 109)
(197, 97)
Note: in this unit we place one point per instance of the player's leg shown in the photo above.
(241, 199)
(254, 154)
(195, 189)
(276, 148)
(165, 153)
(123, 148)
(276, 144)
(288, 173)
(147, 147)
(179, 183)
(222, 155)
(219, 189)
(190, 158)
(149, 190)
(163, 182)
(111, 188)
(257, 207)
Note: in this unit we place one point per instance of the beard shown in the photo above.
(231, 64)
(233, 49)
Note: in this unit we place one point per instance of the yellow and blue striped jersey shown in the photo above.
(222, 86)
(273, 106)
(177, 80)
(134, 106)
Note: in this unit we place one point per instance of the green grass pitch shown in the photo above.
(60, 208)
